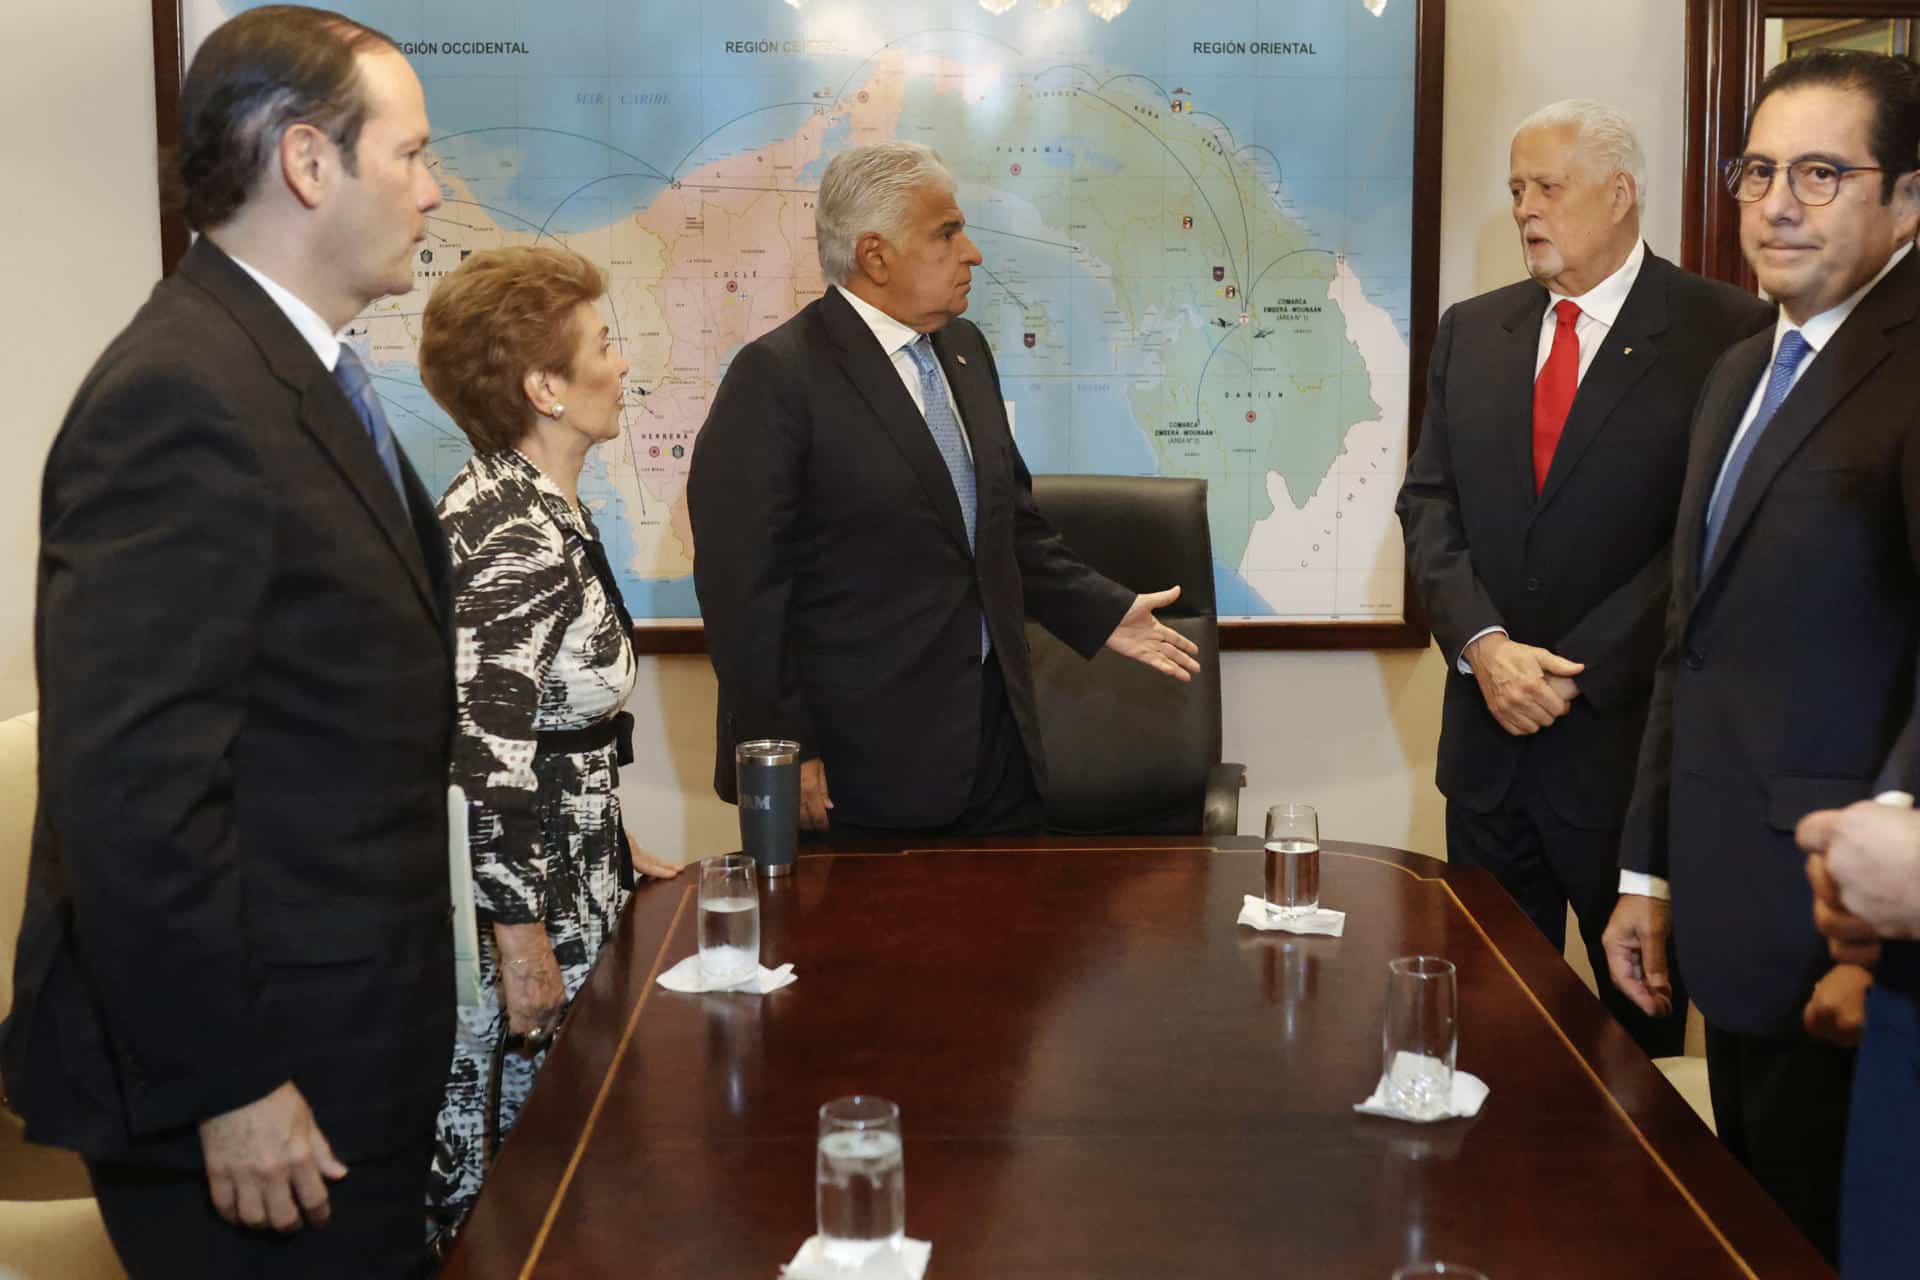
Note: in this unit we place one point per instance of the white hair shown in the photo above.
(870, 189)
(1604, 134)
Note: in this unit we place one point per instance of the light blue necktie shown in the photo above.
(353, 379)
(953, 448)
(1793, 350)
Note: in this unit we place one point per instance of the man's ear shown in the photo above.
(308, 163)
(1906, 207)
(1626, 194)
(873, 256)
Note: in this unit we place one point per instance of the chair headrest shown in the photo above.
(1145, 532)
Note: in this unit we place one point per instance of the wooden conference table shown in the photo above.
(1101, 1075)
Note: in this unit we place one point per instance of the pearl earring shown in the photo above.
(559, 411)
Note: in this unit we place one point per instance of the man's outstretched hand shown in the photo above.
(1144, 638)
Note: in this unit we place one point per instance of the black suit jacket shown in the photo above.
(1581, 569)
(239, 868)
(1788, 667)
(840, 600)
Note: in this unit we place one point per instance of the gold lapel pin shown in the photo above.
(1627, 352)
(962, 359)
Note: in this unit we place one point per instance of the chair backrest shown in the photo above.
(1128, 749)
(19, 787)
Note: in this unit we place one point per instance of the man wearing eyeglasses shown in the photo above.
(1788, 667)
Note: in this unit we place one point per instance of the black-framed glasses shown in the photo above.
(1812, 182)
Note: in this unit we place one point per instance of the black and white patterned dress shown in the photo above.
(540, 649)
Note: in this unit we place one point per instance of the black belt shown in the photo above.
(616, 733)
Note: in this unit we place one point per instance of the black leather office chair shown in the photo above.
(1131, 751)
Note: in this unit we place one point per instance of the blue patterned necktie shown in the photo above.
(1786, 361)
(953, 448)
(353, 379)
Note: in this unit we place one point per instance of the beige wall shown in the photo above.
(83, 247)
(1353, 732)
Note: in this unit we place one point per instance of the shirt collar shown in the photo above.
(1819, 330)
(892, 335)
(1604, 300)
(304, 318)
(543, 484)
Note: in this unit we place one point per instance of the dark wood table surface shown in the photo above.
(1101, 1075)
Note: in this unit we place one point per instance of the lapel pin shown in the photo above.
(962, 359)
(1627, 352)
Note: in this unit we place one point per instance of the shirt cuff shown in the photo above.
(1646, 886)
(1466, 668)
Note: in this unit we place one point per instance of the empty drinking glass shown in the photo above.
(729, 920)
(860, 1180)
(1421, 1036)
(1293, 857)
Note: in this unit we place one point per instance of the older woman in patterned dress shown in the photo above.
(516, 353)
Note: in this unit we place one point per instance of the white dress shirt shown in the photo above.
(1599, 309)
(894, 339)
(1818, 332)
(304, 318)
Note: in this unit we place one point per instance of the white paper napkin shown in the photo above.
(686, 976)
(1261, 914)
(1469, 1093)
(811, 1264)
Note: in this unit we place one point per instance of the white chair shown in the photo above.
(40, 1238)
(55, 1240)
(19, 755)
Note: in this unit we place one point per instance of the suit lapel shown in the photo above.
(1732, 387)
(431, 539)
(1855, 351)
(329, 418)
(1520, 336)
(973, 395)
(325, 412)
(1613, 373)
(967, 395)
(872, 374)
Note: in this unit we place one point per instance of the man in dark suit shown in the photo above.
(234, 989)
(1864, 865)
(866, 547)
(1538, 509)
(1788, 666)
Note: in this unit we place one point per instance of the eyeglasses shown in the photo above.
(1812, 182)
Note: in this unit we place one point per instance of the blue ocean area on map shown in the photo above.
(1243, 347)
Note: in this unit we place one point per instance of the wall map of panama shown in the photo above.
(1197, 223)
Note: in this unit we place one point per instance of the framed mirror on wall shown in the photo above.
(1731, 45)
(1793, 37)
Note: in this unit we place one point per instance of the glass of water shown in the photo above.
(860, 1181)
(1293, 857)
(1421, 1036)
(729, 920)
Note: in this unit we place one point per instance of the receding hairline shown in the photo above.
(407, 89)
(1579, 145)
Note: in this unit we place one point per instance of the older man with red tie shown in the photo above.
(1538, 508)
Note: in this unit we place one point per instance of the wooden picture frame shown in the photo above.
(1725, 60)
(1410, 632)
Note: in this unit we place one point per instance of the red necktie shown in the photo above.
(1553, 389)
